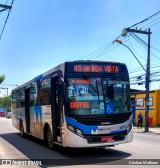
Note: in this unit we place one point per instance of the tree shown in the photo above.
(6, 102)
(2, 78)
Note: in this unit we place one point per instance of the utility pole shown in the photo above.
(5, 7)
(4, 89)
(147, 84)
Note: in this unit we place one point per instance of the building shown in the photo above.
(139, 106)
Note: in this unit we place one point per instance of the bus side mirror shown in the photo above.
(61, 80)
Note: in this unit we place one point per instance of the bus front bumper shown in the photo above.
(75, 141)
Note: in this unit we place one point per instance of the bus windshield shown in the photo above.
(97, 96)
(116, 95)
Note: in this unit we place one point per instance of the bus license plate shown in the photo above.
(106, 138)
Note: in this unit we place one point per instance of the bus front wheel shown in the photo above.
(49, 138)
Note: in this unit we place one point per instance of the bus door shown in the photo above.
(27, 111)
(55, 109)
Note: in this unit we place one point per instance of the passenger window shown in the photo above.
(45, 92)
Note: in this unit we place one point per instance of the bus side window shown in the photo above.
(22, 98)
(14, 100)
(18, 104)
(38, 100)
(45, 92)
(33, 94)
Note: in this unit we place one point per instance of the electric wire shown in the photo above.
(98, 55)
(135, 50)
(140, 67)
(101, 50)
(154, 24)
(109, 45)
(6, 19)
(96, 51)
(143, 21)
(138, 39)
(95, 57)
(143, 43)
(4, 9)
(149, 23)
(152, 73)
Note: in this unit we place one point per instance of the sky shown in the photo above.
(41, 34)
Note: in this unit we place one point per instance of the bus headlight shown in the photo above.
(71, 128)
(77, 131)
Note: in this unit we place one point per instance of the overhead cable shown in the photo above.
(6, 20)
(157, 13)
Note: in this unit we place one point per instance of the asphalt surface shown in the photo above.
(12, 146)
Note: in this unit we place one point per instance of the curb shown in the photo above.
(155, 130)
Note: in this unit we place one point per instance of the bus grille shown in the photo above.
(97, 138)
(105, 120)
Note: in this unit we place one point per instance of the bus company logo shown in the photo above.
(94, 131)
(105, 123)
(104, 130)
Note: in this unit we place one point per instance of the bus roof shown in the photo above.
(60, 67)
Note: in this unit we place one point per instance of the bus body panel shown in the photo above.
(40, 115)
(97, 130)
(18, 115)
(73, 140)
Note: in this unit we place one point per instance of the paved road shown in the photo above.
(12, 146)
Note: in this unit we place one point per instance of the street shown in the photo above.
(12, 146)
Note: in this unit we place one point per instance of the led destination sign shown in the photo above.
(96, 68)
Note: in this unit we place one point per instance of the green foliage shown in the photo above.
(6, 102)
(2, 78)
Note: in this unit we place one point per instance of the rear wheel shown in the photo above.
(21, 129)
(49, 138)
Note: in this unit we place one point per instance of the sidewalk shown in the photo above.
(155, 130)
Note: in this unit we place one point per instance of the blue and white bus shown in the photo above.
(76, 104)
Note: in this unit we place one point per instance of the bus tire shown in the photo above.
(22, 129)
(49, 138)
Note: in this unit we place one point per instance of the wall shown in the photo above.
(154, 109)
